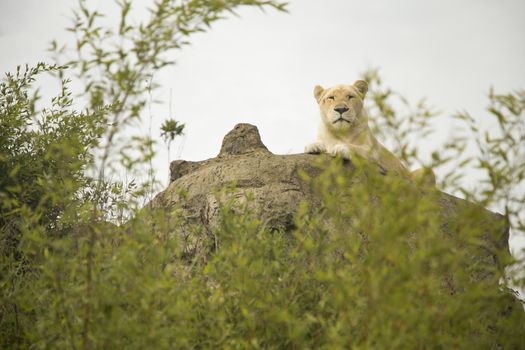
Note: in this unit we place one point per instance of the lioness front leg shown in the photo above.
(315, 148)
(340, 150)
(347, 151)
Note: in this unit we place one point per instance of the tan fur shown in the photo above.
(346, 132)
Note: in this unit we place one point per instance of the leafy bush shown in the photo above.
(375, 275)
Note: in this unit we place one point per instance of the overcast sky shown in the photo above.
(261, 68)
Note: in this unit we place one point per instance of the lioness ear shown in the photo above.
(362, 87)
(318, 91)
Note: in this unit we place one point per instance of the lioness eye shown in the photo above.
(350, 97)
(331, 97)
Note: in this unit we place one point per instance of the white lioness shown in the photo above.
(344, 131)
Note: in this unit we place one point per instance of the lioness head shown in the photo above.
(341, 106)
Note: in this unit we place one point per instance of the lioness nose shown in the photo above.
(341, 110)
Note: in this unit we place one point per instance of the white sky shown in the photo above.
(261, 68)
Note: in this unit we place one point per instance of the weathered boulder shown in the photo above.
(273, 181)
(277, 188)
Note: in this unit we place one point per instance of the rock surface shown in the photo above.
(273, 181)
(277, 189)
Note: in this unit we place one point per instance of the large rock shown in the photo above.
(273, 181)
(276, 187)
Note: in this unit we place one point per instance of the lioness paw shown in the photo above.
(340, 150)
(315, 148)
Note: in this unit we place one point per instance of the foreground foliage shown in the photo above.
(375, 275)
